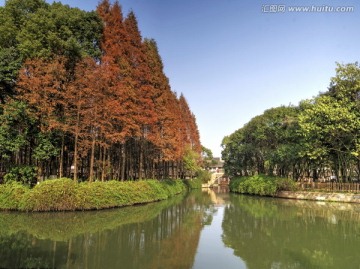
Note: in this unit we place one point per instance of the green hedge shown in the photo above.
(67, 195)
(261, 185)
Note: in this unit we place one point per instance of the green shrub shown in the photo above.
(114, 193)
(261, 185)
(160, 190)
(51, 195)
(23, 174)
(95, 195)
(11, 194)
(286, 184)
(172, 187)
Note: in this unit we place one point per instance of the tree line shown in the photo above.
(319, 138)
(84, 95)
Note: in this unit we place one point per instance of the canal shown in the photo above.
(202, 229)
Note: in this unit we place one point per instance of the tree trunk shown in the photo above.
(123, 161)
(141, 161)
(103, 165)
(61, 166)
(92, 159)
(77, 131)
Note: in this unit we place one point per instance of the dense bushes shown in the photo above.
(58, 194)
(194, 183)
(24, 174)
(11, 194)
(261, 185)
(67, 195)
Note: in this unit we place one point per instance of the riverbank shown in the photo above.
(67, 195)
(320, 196)
(286, 188)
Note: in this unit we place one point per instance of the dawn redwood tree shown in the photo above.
(185, 115)
(66, 103)
(190, 137)
(41, 84)
(158, 134)
(92, 106)
(78, 104)
(143, 113)
(94, 114)
(172, 148)
(118, 68)
(191, 132)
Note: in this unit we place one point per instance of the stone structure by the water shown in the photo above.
(321, 196)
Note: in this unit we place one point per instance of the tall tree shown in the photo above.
(118, 70)
(41, 85)
(268, 143)
(331, 122)
(94, 98)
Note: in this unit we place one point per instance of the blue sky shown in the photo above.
(232, 61)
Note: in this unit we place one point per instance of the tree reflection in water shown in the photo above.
(159, 235)
(273, 233)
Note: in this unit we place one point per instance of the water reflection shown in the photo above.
(273, 233)
(159, 235)
(210, 229)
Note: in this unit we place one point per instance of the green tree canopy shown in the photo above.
(320, 135)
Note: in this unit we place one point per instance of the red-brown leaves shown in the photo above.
(119, 107)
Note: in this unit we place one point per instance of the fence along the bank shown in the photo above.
(331, 186)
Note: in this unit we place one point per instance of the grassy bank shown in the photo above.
(66, 195)
(261, 185)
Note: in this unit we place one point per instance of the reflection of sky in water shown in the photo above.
(211, 252)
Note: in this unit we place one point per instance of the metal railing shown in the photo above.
(331, 186)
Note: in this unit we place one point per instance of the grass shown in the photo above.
(66, 195)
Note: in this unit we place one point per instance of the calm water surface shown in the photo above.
(212, 229)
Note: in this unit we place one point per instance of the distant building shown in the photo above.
(216, 165)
